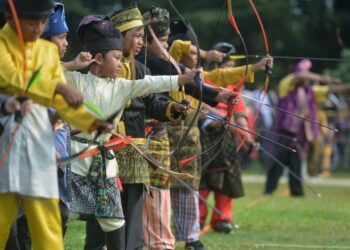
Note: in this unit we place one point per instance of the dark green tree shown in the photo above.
(302, 28)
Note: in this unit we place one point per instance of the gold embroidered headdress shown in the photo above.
(128, 18)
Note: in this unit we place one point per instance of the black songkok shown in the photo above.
(97, 34)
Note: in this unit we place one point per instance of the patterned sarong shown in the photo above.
(95, 196)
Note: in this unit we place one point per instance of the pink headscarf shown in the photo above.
(302, 66)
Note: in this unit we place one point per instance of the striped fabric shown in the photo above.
(156, 220)
(186, 215)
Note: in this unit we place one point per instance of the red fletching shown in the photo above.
(187, 161)
(148, 130)
(119, 183)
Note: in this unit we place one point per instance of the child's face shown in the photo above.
(31, 29)
(61, 42)
(133, 41)
(111, 63)
(228, 64)
(155, 50)
(190, 60)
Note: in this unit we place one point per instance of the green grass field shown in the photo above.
(275, 222)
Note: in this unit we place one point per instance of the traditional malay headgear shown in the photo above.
(29, 9)
(97, 34)
(57, 23)
(128, 18)
(159, 20)
(227, 49)
(179, 30)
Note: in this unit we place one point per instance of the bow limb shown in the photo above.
(266, 43)
(165, 53)
(24, 69)
(268, 71)
(230, 108)
(171, 173)
(233, 23)
(173, 62)
(179, 177)
(20, 39)
(200, 84)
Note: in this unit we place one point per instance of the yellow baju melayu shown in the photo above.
(28, 177)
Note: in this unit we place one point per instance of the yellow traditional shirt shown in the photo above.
(30, 168)
(229, 76)
(321, 92)
(179, 48)
(39, 54)
(221, 76)
(287, 85)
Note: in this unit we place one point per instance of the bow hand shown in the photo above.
(101, 126)
(190, 77)
(230, 98)
(20, 106)
(180, 109)
(266, 64)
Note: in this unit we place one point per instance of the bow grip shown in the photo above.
(268, 70)
(185, 103)
(198, 80)
(18, 114)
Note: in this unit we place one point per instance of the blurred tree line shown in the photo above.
(305, 28)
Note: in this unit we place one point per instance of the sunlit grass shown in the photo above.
(274, 222)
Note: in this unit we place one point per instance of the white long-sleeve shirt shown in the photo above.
(110, 95)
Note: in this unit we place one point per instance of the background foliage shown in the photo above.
(305, 28)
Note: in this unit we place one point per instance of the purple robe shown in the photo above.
(287, 123)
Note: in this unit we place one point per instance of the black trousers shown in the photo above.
(12, 242)
(19, 238)
(132, 201)
(64, 217)
(96, 238)
(292, 161)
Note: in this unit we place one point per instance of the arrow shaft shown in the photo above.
(236, 126)
(234, 57)
(279, 163)
(289, 113)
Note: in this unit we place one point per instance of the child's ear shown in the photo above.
(99, 58)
